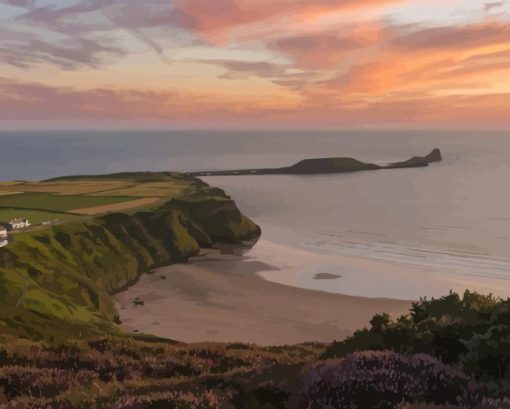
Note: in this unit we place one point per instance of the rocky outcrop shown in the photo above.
(418, 161)
(325, 166)
(434, 156)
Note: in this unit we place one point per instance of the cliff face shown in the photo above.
(58, 281)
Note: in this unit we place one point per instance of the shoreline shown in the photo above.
(373, 277)
(224, 298)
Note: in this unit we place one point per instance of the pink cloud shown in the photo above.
(455, 37)
(219, 15)
(28, 102)
(319, 50)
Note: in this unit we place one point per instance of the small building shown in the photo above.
(3, 237)
(49, 222)
(16, 224)
(20, 223)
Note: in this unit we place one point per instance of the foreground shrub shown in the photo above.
(472, 331)
(20, 381)
(383, 380)
(127, 373)
(175, 400)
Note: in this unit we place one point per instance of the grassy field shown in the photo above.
(72, 197)
(151, 189)
(42, 201)
(35, 216)
(63, 188)
(98, 188)
(95, 195)
(117, 207)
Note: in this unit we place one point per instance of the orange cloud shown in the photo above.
(405, 59)
(455, 37)
(35, 102)
(211, 17)
(319, 50)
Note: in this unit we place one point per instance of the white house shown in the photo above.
(3, 237)
(19, 223)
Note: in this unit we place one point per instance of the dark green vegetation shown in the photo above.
(327, 166)
(471, 332)
(58, 281)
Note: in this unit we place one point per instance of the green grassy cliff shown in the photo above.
(58, 281)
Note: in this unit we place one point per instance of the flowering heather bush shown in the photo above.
(175, 400)
(485, 404)
(125, 373)
(503, 403)
(425, 360)
(380, 380)
(471, 331)
(19, 381)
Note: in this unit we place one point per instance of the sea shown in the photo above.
(404, 233)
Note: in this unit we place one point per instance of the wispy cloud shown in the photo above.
(25, 49)
(456, 37)
(319, 50)
(494, 5)
(220, 15)
(87, 28)
(36, 102)
(28, 4)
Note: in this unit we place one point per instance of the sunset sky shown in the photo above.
(254, 63)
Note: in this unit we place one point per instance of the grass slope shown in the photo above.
(57, 282)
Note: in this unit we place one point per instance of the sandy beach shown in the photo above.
(222, 298)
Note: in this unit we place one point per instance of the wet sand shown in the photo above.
(221, 298)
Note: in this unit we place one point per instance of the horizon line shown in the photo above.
(256, 129)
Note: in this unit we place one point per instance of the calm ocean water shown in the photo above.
(448, 224)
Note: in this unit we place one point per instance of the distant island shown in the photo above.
(327, 166)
